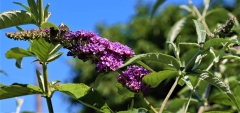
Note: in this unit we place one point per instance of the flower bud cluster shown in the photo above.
(28, 34)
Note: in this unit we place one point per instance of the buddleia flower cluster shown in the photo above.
(85, 45)
(132, 78)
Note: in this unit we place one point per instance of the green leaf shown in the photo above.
(189, 44)
(210, 78)
(158, 57)
(175, 30)
(18, 54)
(232, 57)
(46, 13)
(3, 72)
(216, 41)
(43, 50)
(218, 112)
(16, 90)
(155, 78)
(220, 98)
(49, 25)
(97, 80)
(15, 17)
(55, 49)
(123, 91)
(33, 7)
(201, 32)
(85, 95)
(62, 25)
(54, 57)
(1, 85)
(134, 110)
(19, 63)
(19, 28)
(156, 5)
(23, 5)
(40, 80)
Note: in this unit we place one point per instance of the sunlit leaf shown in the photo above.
(155, 78)
(157, 57)
(15, 17)
(54, 57)
(44, 50)
(85, 95)
(201, 32)
(175, 30)
(46, 13)
(33, 7)
(18, 54)
(40, 80)
(49, 25)
(23, 5)
(16, 90)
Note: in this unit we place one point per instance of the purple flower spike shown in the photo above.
(87, 45)
(133, 78)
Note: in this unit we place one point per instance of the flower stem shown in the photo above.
(147, 102)
(47, 88)
(169, 94)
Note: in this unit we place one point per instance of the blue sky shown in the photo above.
(77, 15)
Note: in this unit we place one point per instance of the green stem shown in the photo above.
(41, 12)
(47, 88)
(191, 60)
(147, 102)
(191, 93)
(169, 94)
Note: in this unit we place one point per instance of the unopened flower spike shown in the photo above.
(225, 29)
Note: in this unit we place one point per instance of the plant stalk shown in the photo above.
(169, 94)
(147, 102)
(47, 88)
(41, 12)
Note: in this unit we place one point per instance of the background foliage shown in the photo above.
(149, 35)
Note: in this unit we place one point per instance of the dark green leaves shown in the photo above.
(85, 95)
(158, 57)
(155, 78)
(123, 91)
(16, 90)
(156, 5)
(15, 17)
(134, 110)
(210, 78)
(217, 41)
